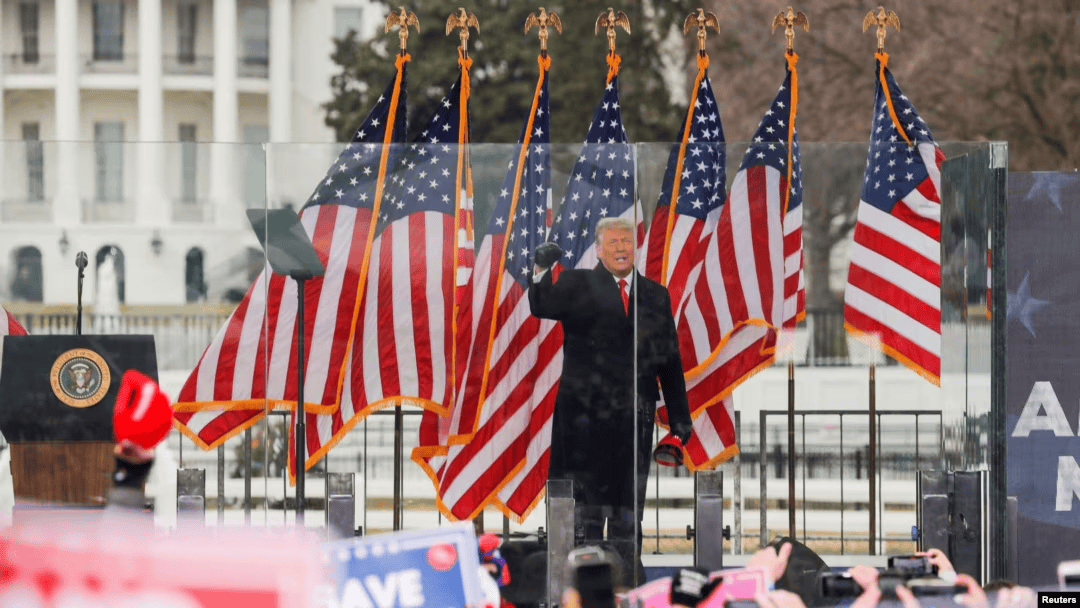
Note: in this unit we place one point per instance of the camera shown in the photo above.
(913, 565)
(934, 586)
(838, 585)
(592, 574)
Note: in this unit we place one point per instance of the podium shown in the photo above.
(56, 403)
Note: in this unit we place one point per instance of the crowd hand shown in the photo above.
(779, 599)
(939, 559)
(975, 597)
(867, 578)
(770, 561)
(546, 255)
(1016, 597)
(906, 597)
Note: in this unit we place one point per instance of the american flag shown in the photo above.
(510, 374)
(753, 266)
(9, 326)
(436, 424)
(403, 347)
(691, 197)
(250, 365)
(893, 295)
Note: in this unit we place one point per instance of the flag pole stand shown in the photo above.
(871, 473)
(791, 449)
(301, 426)
(289, 253)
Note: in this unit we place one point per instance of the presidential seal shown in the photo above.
(80, 377)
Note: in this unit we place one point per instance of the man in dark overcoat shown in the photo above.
(601, 435)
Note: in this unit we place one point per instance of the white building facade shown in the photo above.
(107, 108)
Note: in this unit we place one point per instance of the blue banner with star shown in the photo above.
(1043, 368)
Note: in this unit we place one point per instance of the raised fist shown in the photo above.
(547, 254)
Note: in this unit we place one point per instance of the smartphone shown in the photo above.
(733, 603)
(913, 565)
(838, 585)
(592, 575)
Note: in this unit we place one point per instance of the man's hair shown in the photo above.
(612, 223)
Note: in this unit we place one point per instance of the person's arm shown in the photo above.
(547, 299)
(672, 382)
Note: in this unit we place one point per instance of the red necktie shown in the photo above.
(625, 297)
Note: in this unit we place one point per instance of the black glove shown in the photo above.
(690, 586)
(547, 254)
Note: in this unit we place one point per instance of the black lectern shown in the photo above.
(290, 253)
(56, 403)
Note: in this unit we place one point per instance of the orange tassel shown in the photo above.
(544, 61)
(613, 62)
(792, 61)
(884, 59)
(466, 64)
(702, 62)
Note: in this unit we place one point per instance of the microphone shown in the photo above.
(80, 260)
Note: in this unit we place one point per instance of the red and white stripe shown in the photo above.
(251, 363)
(435, 427)
(402, 347)
(506, 411)
(893, 294)
(749, 275)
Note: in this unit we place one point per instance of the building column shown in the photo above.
(67, 204)
(224, 175)
(153, 203)
(280, 71)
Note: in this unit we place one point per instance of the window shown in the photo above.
(108, 30)
(195, 286)
(27, 283)
(346, 19)
(188, 164)
(28, 22)
(255, 35)
(109, 161)
(186, 20)
(35, 162)
(254, 177)
(109, 268)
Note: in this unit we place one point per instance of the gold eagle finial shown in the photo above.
(881, 20)
(543, 21)
(610, 20)
(789, 21)
(403, 19)
(701, 20)
(464, 21)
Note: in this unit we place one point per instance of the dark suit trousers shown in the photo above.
(620, 505)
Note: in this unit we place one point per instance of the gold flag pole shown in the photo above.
(881, 20)
(701, 20)
(789, 21)
(403, 19)
(542, 21)
(610, 20)
(464, 21)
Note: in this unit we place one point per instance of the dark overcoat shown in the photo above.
(593, 427)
